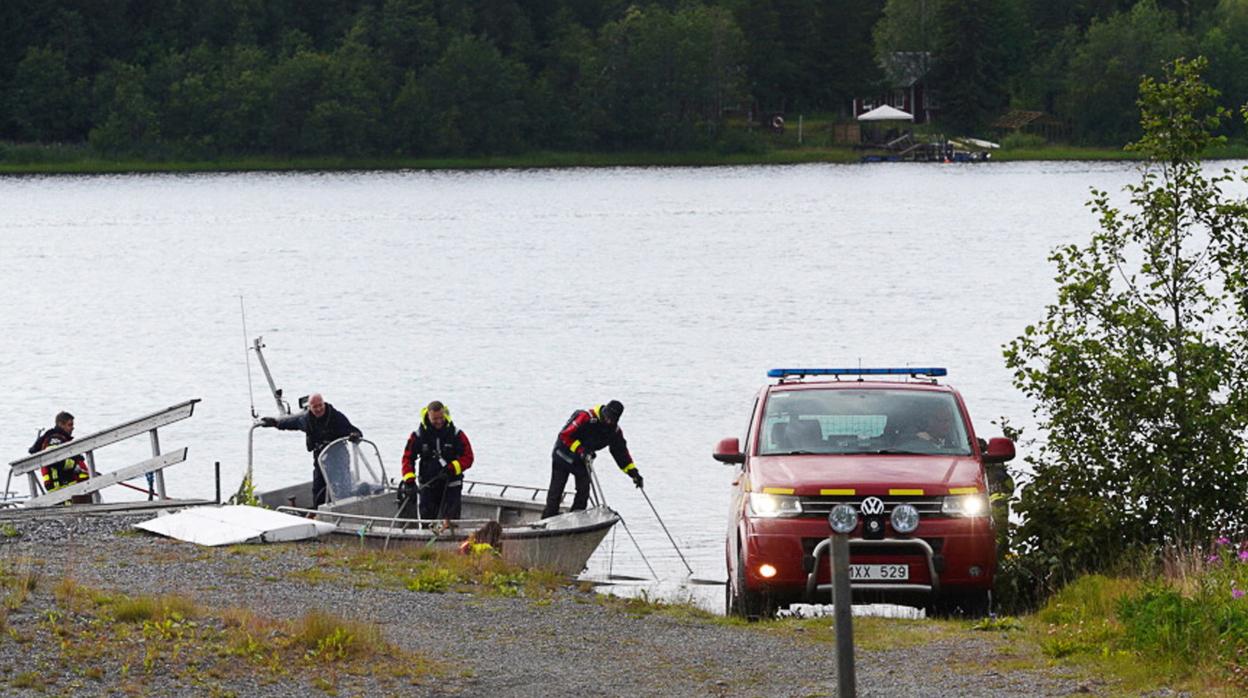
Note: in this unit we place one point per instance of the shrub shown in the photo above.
(435, 580)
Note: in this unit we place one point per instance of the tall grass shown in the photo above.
(1197, 617)
(139, 609)
(1185, 621)
(328, 638)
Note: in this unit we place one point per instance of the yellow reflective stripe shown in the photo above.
(630, 466)
(906, 492)
(575, 445)
(963, 490)
(459, 470)
(777, 490)
(838, 493)
(409, 476)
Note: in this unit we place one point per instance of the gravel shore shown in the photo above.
(567, 644)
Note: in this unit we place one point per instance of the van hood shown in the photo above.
(870, 474)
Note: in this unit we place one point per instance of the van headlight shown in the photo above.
(769, 506)
(965, 505)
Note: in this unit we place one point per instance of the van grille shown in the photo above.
(808, 548)
(822, 506)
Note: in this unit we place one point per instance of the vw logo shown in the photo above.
(872, 506)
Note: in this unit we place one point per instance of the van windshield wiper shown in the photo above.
(797, 453)
(898, 452)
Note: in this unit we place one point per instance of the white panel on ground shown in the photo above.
(228, 525)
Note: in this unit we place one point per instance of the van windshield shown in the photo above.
(862, 421)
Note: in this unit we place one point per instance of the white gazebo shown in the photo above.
(885, 113)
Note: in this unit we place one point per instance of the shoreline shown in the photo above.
(71, 163)
(109, 609)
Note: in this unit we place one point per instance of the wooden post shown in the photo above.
(842, 600)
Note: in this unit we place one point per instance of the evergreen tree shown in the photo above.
(972, 65)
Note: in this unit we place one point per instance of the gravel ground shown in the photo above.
(492, 646)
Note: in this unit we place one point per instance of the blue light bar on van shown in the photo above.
(788, 372)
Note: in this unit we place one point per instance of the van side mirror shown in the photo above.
(999, 450)
(729, 451)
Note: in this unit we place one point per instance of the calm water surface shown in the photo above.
(517, 297)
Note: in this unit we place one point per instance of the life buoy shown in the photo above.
(777, 122)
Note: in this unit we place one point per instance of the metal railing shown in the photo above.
(88, 445)
(367, 522)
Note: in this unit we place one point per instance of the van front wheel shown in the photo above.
(740, 601)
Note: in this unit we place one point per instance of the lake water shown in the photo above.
(517, 297)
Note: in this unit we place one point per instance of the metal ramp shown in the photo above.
(88, 445)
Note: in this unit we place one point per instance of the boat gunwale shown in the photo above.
(367, 525)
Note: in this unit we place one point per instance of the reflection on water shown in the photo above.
(517, 297)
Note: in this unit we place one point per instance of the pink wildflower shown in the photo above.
(1243, 556)
(1223, 540)
(1212, 559)
(1237, 593)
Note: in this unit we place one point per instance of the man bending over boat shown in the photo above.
(587, 432)
(441, 453)
(69, 471)
(322, 425)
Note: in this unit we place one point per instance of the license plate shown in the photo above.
(879, 573)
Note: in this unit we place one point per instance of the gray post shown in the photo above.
(160, 474)
(90, 457)
(842, 600)
(216, 470)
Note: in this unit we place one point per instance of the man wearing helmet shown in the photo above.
(436, 456)
(586, 432)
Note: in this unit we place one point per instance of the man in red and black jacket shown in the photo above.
(67, 472)
(586, 432)
(436, 456)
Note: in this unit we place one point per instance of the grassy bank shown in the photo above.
(1070, 152)
(62, 159)
(150, 644)
(1184, 628)
(65, 160)
(140, 644)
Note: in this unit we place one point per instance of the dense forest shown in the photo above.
(211, 78)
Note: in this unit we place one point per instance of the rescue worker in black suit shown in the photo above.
(434, 461)
(322, 425)
(68, 471)
(586, 432)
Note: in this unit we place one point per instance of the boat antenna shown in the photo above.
(247, 356)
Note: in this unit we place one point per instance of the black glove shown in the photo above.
(354, 437)
(268, 421)
(637, 479)
(409, 488)
(587, 457)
